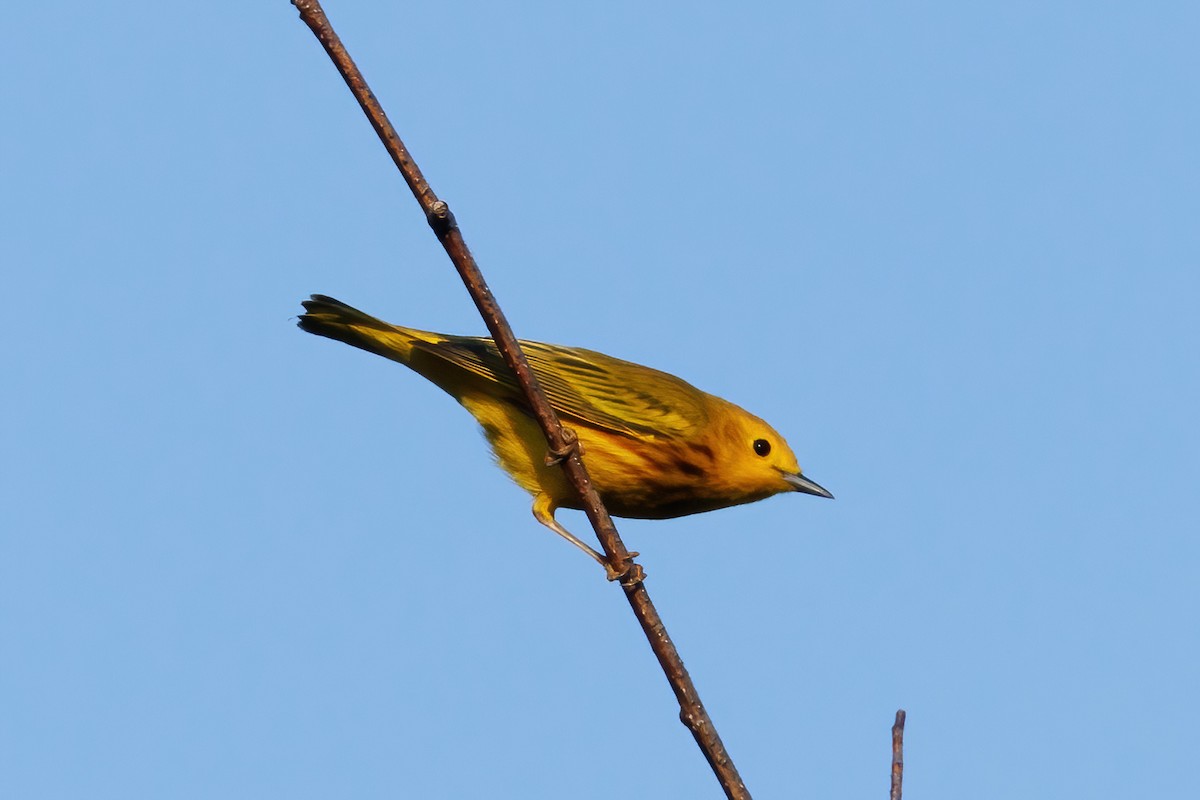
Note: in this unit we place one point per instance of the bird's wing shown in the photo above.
(590, 387)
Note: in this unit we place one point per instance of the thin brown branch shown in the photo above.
(898, 754)
(691, 710)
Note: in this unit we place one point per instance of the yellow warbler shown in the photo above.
(654, 445)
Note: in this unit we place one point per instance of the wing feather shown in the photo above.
(586, 386)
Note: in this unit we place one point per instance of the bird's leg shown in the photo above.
(543, 512)
(551, 523)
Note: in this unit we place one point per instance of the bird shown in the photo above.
(655, 446)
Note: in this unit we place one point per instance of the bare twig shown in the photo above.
(691, 710)
(898, 754)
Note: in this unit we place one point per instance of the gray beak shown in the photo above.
(803, 484)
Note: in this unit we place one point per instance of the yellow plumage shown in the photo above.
(655, 446)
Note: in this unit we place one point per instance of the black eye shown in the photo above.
(762, 447)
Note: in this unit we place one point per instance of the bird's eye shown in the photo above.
(762, 447)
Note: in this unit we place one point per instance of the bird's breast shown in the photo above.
(646, 478)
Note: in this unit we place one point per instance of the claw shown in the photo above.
(571, 444)
(628, 573)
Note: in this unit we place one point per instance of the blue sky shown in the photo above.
(950, 252)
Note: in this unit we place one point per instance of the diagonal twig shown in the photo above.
(898, 754)
(691, 710)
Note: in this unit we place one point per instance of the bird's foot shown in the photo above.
(571, 444)
(627, 572)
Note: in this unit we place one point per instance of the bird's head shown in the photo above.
(758, 461)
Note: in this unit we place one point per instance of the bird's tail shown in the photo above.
(325, 316)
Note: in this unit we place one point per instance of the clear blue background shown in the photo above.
(950, 252)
